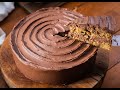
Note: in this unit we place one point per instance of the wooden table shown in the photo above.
(86, 8)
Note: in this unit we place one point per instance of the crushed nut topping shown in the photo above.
(91, 34)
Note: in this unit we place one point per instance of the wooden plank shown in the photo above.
(33, 6)
(72, 5)
(98, 8)
(112, 79)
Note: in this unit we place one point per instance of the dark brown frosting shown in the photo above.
(108, 22)
(37, 47)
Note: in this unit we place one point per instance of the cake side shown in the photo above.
(59, 77)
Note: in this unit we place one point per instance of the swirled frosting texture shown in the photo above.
(43, 55)
(35, 40)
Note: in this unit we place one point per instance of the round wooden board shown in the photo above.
(15, 79)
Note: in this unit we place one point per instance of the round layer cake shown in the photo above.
(46, 57)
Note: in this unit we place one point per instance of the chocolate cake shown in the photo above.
(44, 56)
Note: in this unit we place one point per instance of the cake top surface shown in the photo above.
(35, 42)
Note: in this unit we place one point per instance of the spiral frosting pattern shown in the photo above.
(35, 41)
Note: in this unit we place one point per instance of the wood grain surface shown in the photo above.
(33, 6)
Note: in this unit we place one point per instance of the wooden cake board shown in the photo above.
(15, 79)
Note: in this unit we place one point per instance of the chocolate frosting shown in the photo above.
(107, 22)
(35, 41)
